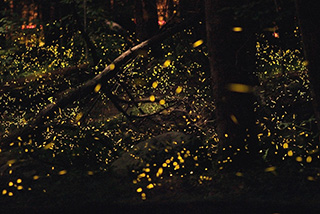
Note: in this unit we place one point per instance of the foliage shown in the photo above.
(171, 88)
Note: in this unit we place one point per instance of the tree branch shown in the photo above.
(88, 87)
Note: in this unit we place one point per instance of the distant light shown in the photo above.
(275, 35)
(161, 22)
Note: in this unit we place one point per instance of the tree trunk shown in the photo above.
(146, 19)
(232, 63)
(309, 19)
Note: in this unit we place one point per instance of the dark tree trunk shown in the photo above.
(309, 18)
(232, 63)
(146, 19)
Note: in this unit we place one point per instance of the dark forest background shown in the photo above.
(156, 105)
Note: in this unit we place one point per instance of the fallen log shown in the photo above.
(86, 88)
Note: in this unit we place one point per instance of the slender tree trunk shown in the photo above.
(232, 63)
(309, 18)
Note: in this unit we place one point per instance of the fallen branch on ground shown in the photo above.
(86, 88)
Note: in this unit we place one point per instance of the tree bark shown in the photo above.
(232, 63)
(146, 19)
(309, 20)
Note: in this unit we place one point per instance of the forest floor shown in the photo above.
(59, 190)
(31, 185)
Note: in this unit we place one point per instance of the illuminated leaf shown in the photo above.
(4, 192)
(197, 43)
(298, 159)
(10, 184)
(19, 187)
(240, 88)
(35, 177)
(19, 180)
(285, 146)
(139, 189)
(290, 153)
(97, 88)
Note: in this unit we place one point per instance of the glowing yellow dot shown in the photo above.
(49, 146)
(310, 178)
(270, 169)
(160, 171)
(239, 88)
(10, 184)
(152, 98)
(112, 66)
(139, 189)
(290, 153)
(19, 181)
(150, 186)
(62, 172)
(237, 29)
(90, 173)
(234, 119)
(298, 159)
(79, 116)
(4, 192)
(166, 63)
(143, 196)
(11, 161)
(179, 90)
(285, 146)
(162, 102)
(154, 84)
(36, 177)
(10, 194)
(239, 174)
(19, 187)
(309, 159)
(97, 88)
(147, 170)
(305, 63)
(197, 43)
(142, 175)
(164, 164)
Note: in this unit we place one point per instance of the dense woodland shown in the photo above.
(159, 106)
